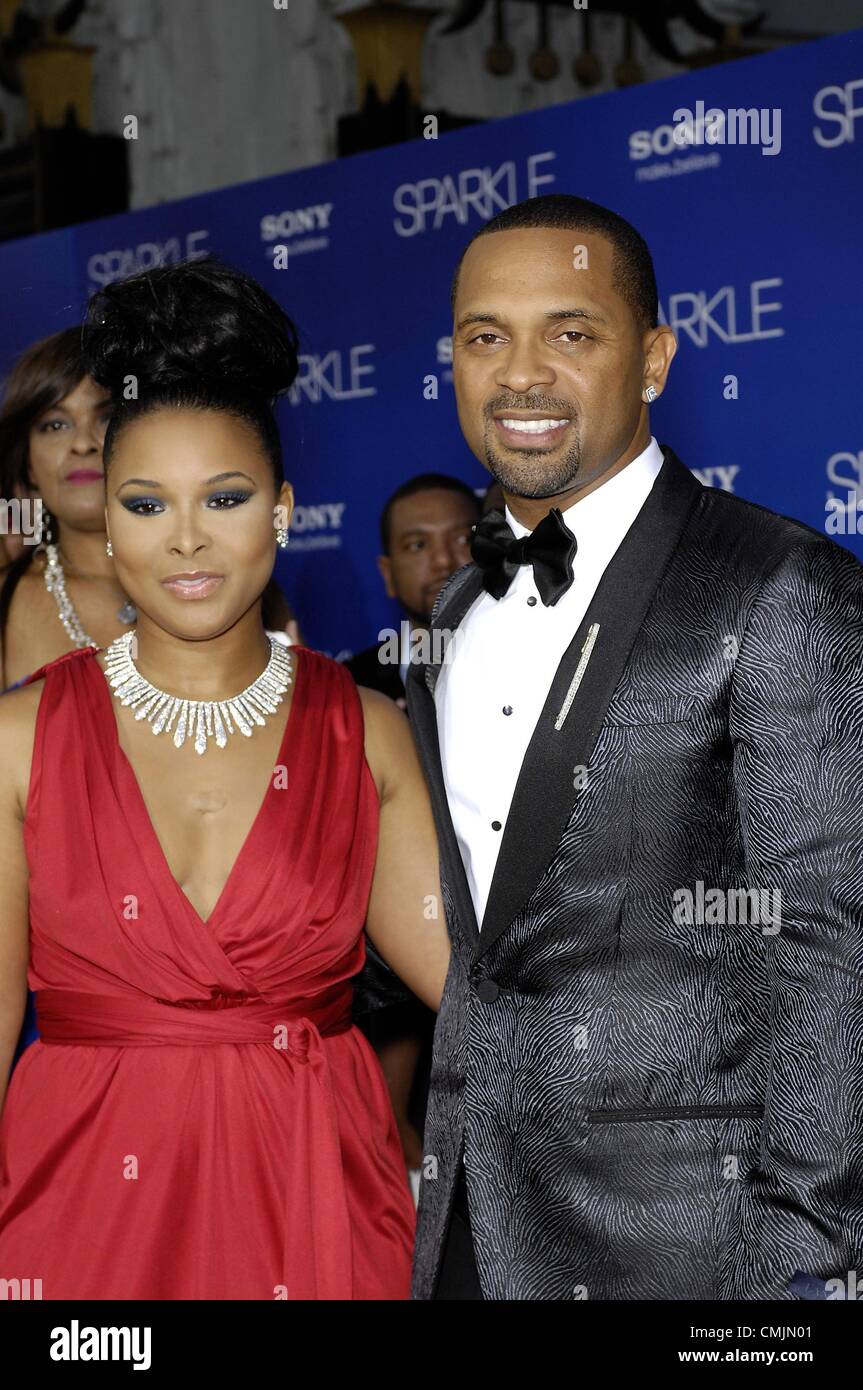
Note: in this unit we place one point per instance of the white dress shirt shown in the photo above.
(489, 696)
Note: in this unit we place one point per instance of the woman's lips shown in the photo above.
(193, 585)
(85, 475)
(539, 434)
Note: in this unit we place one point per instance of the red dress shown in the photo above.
(199, 1119)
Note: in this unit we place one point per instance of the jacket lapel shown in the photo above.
(455, 601)
(583, 687)
(544, 794)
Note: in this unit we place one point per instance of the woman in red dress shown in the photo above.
(199, 1119)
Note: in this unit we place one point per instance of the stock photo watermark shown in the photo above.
(22, 516)
(760, 907)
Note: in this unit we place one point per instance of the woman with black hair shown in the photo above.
(61, 591)
(201, 820)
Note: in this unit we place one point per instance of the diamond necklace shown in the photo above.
(55, 582)
(201, 719)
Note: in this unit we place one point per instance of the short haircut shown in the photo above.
(634, 275)
(423, 482)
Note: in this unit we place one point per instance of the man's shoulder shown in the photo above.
(748, 541)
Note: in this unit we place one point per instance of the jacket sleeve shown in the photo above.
(796, 727)
(377, 988)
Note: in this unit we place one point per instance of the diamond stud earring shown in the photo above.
(650, 393)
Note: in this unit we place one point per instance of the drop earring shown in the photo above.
(109, 549)
(282, 537)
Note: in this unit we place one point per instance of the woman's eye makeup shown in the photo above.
(224, 501)
(141, 505)
(232, 498)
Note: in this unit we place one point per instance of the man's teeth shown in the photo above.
(533, 426)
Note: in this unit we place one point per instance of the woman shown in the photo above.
(52, 427)
(199, 1118)
(55, 593)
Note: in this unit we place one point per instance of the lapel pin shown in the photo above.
(580, 669)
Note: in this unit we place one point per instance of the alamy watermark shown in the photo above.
(733, 126)
(427, 646)
(844, 517)
(760, 907)
(21, 516)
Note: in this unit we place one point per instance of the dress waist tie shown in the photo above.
(317, 1252)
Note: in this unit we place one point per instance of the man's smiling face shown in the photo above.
(550, 362)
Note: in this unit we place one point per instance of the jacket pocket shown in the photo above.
(676, 1112)
(673, 709)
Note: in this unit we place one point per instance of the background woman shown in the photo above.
(52, 424)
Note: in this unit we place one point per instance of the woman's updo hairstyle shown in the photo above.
(198, 335)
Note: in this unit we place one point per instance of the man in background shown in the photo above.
(425, 538)
(426, 529)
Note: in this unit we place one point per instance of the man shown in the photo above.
(425, 537)
(645, 746)
(426, 528)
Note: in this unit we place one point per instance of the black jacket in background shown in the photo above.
(367, 670)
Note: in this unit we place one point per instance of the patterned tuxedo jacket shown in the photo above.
(650, 1059)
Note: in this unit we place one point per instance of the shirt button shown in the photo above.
(495, 825)
(531, 601)
(487, 991)
(507, 709)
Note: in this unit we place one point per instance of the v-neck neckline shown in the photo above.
(122, 761)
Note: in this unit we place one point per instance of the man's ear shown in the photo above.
(385, 565)
(660, 345)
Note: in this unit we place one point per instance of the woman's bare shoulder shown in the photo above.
(383, 718)
(18, 707)
(389, 745)
(18, 712)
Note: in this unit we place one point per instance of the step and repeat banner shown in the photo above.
(745, 179)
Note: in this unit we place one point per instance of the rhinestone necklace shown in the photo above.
(55, 582)
(198, 719)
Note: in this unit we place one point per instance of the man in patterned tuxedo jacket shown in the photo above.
(644, 744)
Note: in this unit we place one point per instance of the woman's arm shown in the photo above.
(405, 918)
(17, 724)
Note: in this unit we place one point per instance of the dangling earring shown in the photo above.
(47, 534)
(109, 549)
(650, 394)
(282, 538)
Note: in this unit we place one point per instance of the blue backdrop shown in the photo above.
(758, 258)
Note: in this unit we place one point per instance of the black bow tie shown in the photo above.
(550, 549)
